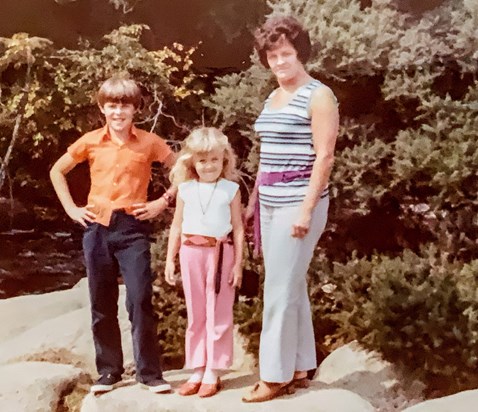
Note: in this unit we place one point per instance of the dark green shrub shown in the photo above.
(420, 311)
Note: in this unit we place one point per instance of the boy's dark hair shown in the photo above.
(119, 90)
(277, 28)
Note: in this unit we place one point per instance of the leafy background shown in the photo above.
(396, 269)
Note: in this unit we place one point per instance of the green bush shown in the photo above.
(419, 310)
(404, 183)
(407, 91)
(52, 91)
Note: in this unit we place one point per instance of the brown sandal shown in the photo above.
(189, 388)
(301, 383)
(265, 391)
(300, 380)
(209, 389)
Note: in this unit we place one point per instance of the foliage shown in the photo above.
(412, 137)
(417, 309)
(405, 179)
(404, 184)
(210, 19)
(61, 98)
(126, 6)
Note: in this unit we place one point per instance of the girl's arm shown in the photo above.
(174, 242)
(238, 233)
(325, 125)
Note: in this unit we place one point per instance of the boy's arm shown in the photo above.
(174, 242)
(149, 210)
(170, 160)
(57, 175)
(238, 234)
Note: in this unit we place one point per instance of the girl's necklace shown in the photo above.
(205, 208)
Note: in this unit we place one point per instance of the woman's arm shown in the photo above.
(325, 125)
(251, 204)
(238, 233)
(174, 242)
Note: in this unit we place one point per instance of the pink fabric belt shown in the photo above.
(269, 179)
(215, 242)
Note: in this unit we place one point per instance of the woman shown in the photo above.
(298, 128)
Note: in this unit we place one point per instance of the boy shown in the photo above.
(116, 230)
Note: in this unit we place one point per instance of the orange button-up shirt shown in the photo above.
(120, 173)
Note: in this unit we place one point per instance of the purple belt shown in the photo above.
(268, 179)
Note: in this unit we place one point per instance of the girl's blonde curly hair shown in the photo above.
(199, 141)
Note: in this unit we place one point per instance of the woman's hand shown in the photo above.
(301, 227)
(248, 214)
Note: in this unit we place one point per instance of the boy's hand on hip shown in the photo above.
(82, 214)
(149, 210)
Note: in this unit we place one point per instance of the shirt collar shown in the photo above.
(103, 135)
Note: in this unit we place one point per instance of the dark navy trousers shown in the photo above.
(121, 248)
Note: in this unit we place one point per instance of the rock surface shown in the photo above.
(366, 374)
(134, 398)
(54, 328)
(34, 386)
(23, 312)
(66, 336)
(466, 401)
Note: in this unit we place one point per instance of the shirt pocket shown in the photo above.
(137, 162)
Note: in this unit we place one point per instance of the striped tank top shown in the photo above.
(286, 144)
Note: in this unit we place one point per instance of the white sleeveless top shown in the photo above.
(207, 209)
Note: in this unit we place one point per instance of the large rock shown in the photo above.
(24, 312)
(460, 402)
(134, 398)
(351, 359)
(365, 373)
(34, 386)
(66, 339)
(57, 327)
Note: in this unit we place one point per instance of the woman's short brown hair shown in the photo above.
(119, 90)
(277, 27)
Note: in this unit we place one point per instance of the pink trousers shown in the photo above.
(209, 336)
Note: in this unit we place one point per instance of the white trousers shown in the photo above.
(287, 339)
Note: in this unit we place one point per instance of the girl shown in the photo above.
(208, 210)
